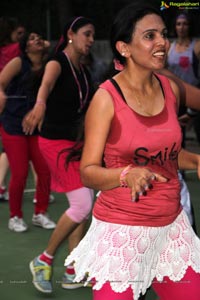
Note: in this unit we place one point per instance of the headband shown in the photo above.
(182, 16)
(75, 22)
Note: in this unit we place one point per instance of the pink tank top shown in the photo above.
(150, 142)
(7, 53)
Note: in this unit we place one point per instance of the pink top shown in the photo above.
(7, 53)
(151, 142)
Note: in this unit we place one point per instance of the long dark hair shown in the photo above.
(75, 152)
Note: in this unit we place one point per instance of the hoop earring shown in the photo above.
(70, 41)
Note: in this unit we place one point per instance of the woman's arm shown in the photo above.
(51, 74)
(97, 125)
(35, 116)
(197, 49)
(189, 161)
(189, 95)
(6, 75)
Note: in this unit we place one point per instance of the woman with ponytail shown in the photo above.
(61, 104)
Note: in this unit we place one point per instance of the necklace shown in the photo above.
(81, 100)
(139, 104)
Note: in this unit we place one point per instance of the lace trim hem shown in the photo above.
(136, 255)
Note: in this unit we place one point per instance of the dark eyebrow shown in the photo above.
(185, 23)
(149, 30)
(154, 30)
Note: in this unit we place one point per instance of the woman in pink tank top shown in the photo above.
(139, 236)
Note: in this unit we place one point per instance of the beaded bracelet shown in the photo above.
(122, 176)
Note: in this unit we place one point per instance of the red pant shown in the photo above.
(21, 149)
(186, 289)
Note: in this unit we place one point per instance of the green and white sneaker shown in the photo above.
(68, 282)
(41, 272)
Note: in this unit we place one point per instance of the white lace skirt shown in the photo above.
(135, 255)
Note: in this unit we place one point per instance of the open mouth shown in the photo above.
(159, 54)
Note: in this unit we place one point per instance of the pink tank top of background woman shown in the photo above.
(7, 53)
(149, 142)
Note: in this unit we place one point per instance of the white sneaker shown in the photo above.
(3, 194)
(51, 199)
(43, 221)
(17, 224)
(6, 196)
